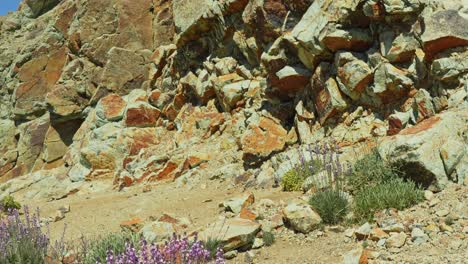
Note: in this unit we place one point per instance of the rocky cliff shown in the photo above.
(159, 90)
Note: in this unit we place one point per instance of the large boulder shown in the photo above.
(430, 152)
(444, 29)
(317, 32)
(263, 137)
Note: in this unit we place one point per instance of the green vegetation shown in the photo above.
(394, 193)
(268, 238)
(295, 177)
(331, 205)
(370, 171)
(292, 181)
(9, 203)
(212, 245)
(96, 250)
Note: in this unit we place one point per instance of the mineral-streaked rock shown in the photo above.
(301, 217)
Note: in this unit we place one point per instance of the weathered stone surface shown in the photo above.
(301, 217)
(30, 144)
(8, 143)
(39, 7)
(292, 79)
(111, 107)
(401, 7)
(125, 70)
(141, 114)
(355, 39)
(38, 76)
(429, 151)
(391, 83)
(450, 70)
(308, 34)
(399, 48)
(422, 105)
(237, 203)
(355, 256)
(235, 233)
(443, 30)
(157, 231)
(263, 138)
(354, 77)
(328, 98)
(396, 240)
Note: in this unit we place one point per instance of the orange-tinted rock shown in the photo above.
(443, 30)
(141, 115)
(328, 99)
(264, 138)
(113, 107)
(133, 225)
(247, 214)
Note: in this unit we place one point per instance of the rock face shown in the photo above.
(156, 90)
(432, 151)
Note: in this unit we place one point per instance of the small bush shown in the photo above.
(268, 238)
(212, 245)
(96, 250)
(22, 240)
(331, 205)
(371, 170)
(292, 181)
(395, 193)
(9, 203)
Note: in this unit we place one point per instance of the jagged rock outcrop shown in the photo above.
(154, 90)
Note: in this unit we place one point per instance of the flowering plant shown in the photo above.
(177, 250)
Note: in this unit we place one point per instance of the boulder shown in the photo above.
(355, 256)
(157, 231)
(354, 77)
(234, 233)
(39, 7)
(141, 114)
(391, 83)
(363, 232)
(111, 108)
(236, 204)
(450, 70)
(430, 151)
(396, 240)
(422, 105)
(402, 7)
(301, 217)
(263, 137)
(398, 48)
(355, 39)
(309, 36)
(328, 99)
(292, 79)
(444, 29)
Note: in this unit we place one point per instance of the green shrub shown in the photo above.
(96, 250)
(292, 181)
(394, 193)
(370, 171)
(331, 205)
(268, 238)
(212, 244)
(8, 202)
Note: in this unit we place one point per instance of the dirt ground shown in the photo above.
(94, 214)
